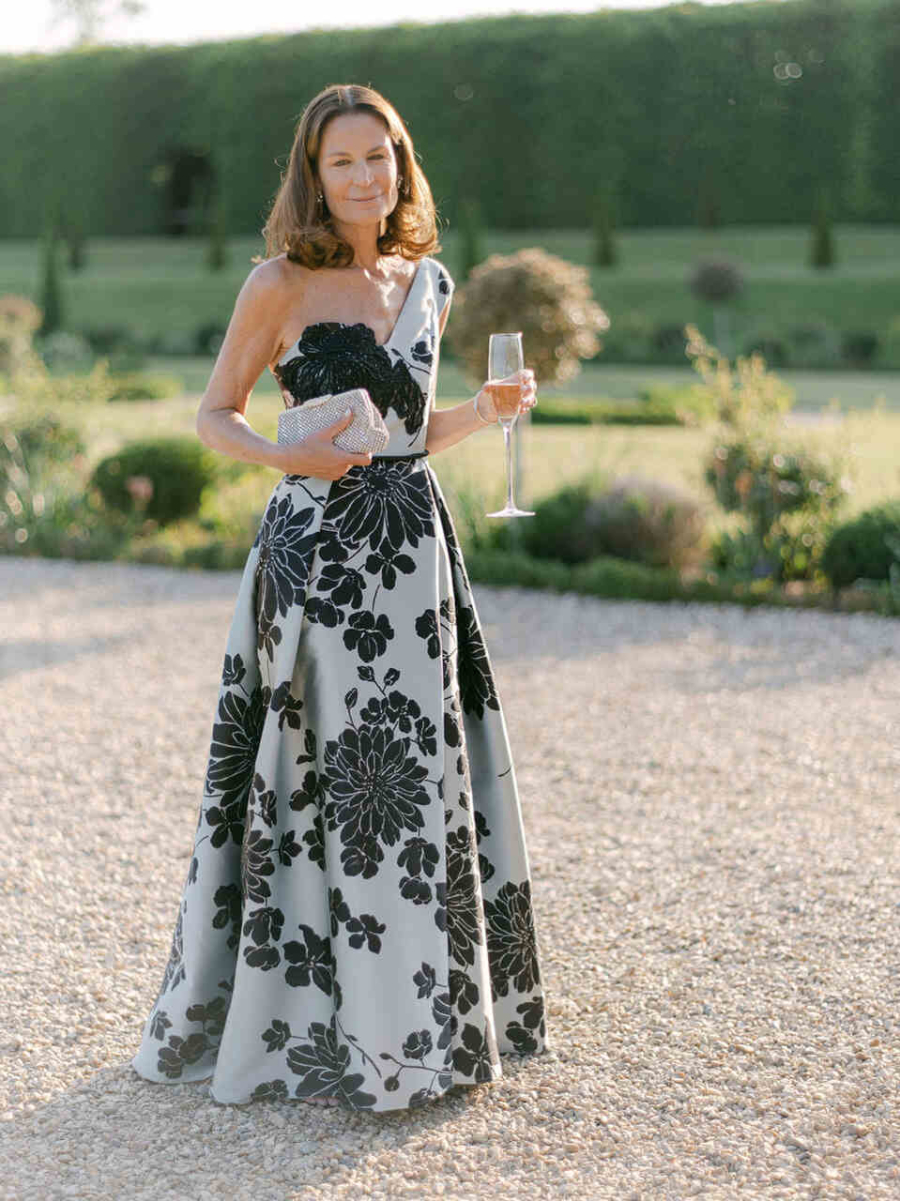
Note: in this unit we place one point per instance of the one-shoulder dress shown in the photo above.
(357, 919)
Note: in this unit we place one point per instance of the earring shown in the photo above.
(319, 197)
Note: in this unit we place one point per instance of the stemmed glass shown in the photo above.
(505, 358)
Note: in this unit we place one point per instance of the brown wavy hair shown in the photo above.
(300, 225)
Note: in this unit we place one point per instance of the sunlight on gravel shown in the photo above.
(710, 798)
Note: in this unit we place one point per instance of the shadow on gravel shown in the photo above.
(117, 1135)
(31, 654)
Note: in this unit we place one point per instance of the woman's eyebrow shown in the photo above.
(380, 146)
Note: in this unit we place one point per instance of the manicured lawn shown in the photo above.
(550, 454)
(161, 285)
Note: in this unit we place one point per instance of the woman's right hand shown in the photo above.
(319, 457)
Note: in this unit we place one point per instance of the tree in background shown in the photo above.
(605, 251)
(72, 229)
(709, 214)
(51, 293)
(217, 252)
(822, 249)
(717, 282)
(91, 15)
(471, 245)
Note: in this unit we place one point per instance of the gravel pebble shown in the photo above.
(710, 798)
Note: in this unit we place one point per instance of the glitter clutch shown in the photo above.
(365, 433)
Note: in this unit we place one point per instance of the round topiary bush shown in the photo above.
(864, 548)
(165, 475)
(557, 529)
(546, 297)
(643, 520)
(647, 521)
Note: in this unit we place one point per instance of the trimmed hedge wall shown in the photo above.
(743, 110)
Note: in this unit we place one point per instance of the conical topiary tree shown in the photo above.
(217, 252)
(822, 249)
(605, 251)
(471, 244)
(51, 293)
(74, 236)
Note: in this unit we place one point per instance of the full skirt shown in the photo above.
(357, 918)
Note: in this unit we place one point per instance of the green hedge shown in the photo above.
(681, 109)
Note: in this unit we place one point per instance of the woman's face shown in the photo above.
(357, 169)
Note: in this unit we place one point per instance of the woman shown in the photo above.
(356, 924)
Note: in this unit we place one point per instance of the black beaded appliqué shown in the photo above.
(334, 357)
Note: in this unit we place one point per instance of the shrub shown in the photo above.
(65, 349)
(546, 297)
(864, 548)
(890, 349)
(814, 344)
(107, 339)
(629, 338)
(146, 386)
(786, 495)
(747, 395)
(209, 338)
(716, 280)
(164, 477)
(19, 319)
(669, 342)
(557, 529)
(790, 550)
(45, 508)
(769, 344)
(646, 521)
(860, 348)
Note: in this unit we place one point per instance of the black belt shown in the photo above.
(416, 454)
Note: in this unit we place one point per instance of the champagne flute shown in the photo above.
(505, 358)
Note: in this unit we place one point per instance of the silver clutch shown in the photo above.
(366, 432)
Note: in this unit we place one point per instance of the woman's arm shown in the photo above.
(251, 342)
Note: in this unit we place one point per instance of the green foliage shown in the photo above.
(605, 251)
(647, 521)
(146, 386)
(716, 281)
(865, 548)
(786, 494)
(749, 475)
(45, 508)
(115, 108)
(217, 253)
(615, 579)
(642, 520)
(545, 297)
(51, 291)
(163, 478)
(822, 249)
(470, 247)
(749, 395)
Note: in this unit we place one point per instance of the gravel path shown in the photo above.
(710, 797)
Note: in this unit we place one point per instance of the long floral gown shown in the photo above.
(357, 918)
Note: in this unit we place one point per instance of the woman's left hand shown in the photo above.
(529, 391)
(527, 400)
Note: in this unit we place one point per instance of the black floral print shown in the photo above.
(282, 566)
(232, 756)
(358, 893)
(376, 791)
(382, 503)
(512, 947)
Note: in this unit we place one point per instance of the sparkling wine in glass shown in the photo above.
(505, 358)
